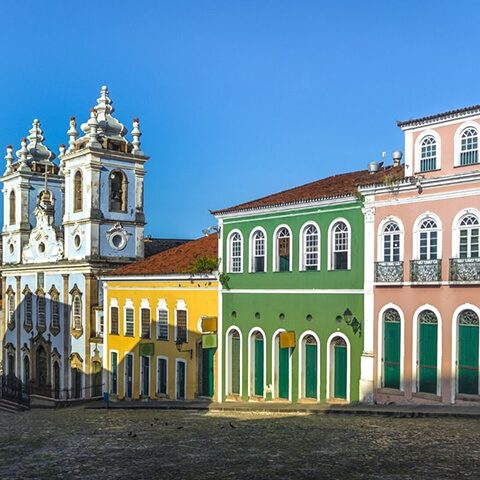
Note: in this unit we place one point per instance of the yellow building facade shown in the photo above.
(160, 327)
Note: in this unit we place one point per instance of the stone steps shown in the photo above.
(11, 407)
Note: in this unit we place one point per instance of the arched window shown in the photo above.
(427, 352)
(311, 248)
(428, 240)
(391, 242)
(258, 251)
(118, 191)
(391, 349)
(77, 191)
(468, 358)
(12, 206)
(469, 147)
(234, 346)
(469, 237)
(428, 154)
(235, 264)
(77, 312)
(283, 250)
(340, 246)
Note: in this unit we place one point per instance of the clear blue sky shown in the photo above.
(237, 99)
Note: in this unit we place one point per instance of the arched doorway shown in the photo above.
(427, 351)
(281, 369)
(56, 380)
(310, 367)
(42, 369)
(257, 357)
(233, 387)
(338, 373)
(391, 349)
(468, 357)
(76, 382)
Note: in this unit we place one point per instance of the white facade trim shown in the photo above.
(228, 360)
(457, 139)
(456, 228)
(330, 365)
(229, 263)
(302, 367)
(251, 249)
(310, 291)
(275, 257)
(276, 366)
(416, 234)
(177, 361)
(380, 235)
(301, 250)
(167, 377)
(331, 242)
(438, 151)
(251, 362)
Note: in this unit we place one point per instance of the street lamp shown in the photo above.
(179, 344)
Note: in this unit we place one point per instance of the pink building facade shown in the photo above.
(422, 278)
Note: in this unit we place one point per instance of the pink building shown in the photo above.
(422, 262)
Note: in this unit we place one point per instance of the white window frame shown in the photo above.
(228, 362)
(458, 142)
(302, 248)
(331, 243)
(275, 257)
(251, 362)
(75, 296)
(181, 305)
(230, 251)
(162, 357)
(113, 303)
(110, 373)
(162, 306)
(125, 374)
(456, 228)
(144, 304)
(128, 305)
(177, 361)
(418, 150)
(417, 231)
(381, 234)
(252, 249)
(142, 394)
(302, 372)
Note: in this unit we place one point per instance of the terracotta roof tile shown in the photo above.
(174, 260)
(438, 116)
(340, 185)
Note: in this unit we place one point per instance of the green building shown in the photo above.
(292, 298)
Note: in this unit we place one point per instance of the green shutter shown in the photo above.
(391, 355)
(427, 358)
(162, 376)
(114, 376)
(468, 359)
(283, 372)
(310, 371)
(259, 382)
(340, 377)
(235, 365)
(284, 263)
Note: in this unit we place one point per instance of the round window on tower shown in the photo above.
(77, 241)
(11, 248)
(118, 240)
(41, 247)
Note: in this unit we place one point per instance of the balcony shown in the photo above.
(389, 272)
(425, 271)
(464, 270)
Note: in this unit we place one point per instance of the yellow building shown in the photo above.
(160, 325)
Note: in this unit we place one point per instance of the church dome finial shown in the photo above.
(37, 151)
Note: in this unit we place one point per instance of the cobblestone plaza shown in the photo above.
(82, 443)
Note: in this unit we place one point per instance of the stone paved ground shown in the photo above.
(137, 444)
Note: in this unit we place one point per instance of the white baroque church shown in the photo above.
(65, 223)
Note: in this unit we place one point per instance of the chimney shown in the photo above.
(397, 157)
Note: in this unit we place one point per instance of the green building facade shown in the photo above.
(292, 303)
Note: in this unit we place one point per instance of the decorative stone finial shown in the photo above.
(37, 151)
(61, 155)
(9, 158)
(22, 156)
(136, 134)
(92, 133)
(72, 134)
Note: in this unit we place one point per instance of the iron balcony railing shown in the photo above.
(464, 270)
(389, 272)
(425, 271)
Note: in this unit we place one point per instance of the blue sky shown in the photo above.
(237, 99)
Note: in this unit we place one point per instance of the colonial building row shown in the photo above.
(358, 287)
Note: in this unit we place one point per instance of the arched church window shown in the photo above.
(77, 313)
(77, 191)
(118, 191)
(12, 206)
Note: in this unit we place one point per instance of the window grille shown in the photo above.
(181, 326)
(391, 242)
(428, 240)
(283, 245)
(236, 253)
(77, 313)
(310, 248)
(55, 312)
(428, 154)
(41, 313)
(469, 237)
(129, 322)
(340, 246)
(114, 320)
(28, 309)
(259, 251)
(469, 147)
(162, 316)
(145, 317)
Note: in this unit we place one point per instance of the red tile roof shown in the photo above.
(440, 116)
(337, 186)
(175, 260)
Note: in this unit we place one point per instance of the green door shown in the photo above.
(235, 365)
(340, 370)
(427, 358)
(311, 370)
(468, 359)
(207, 372)
(283, 372)
(391, 355)
(259, 374)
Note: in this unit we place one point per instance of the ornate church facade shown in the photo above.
(65, 223)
